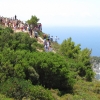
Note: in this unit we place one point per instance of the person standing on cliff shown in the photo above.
(15, 17)
(51, 38)
(56, 39)
(0, 20)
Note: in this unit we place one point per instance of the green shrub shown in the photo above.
(9, 30)
(3, 97)
(39, 93)
(47, 69)
(87, 90)
(67, 97)
(17, 89)
(85, 96)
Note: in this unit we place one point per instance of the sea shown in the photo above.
(87, 37)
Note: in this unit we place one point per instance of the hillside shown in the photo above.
(25, 72)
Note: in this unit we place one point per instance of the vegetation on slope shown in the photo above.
(25, 72)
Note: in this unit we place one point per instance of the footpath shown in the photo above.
(40, 40)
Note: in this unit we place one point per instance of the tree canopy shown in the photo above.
(78, 60)
(33, 21)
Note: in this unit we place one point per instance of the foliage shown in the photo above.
(85, 67)
(55, 46)
(38, 46)
(87, 90)
(9, 29)
(39, 93)
(15, 64)
(17, 41)
(56, 94)
(18, 89)
(67, 97)
(33, 21)
(83, 90)
(25, 72)
(15, 88)
(69, 50)
(21, 41)
(78, 60)
(51, 71)
(3, 97)
(40, 34)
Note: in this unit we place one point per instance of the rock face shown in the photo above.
(41, 41)
(96, 68)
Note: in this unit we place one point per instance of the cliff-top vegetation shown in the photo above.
(27, 73)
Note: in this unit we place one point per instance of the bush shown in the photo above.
(3, 97)
(85, 90)
(48, 69)
(53, 71)
(9, 30)
(39, 93)
(18, 41)
(17, 89)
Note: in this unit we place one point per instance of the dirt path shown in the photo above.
(40, 40)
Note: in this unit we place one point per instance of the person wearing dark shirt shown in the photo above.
(15, 17)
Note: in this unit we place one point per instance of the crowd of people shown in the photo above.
(13, 22)
(16, 24)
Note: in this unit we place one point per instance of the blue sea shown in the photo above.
(88, 37)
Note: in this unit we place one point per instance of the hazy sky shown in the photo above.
(54, 12)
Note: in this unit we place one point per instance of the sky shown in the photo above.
(54, 12)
